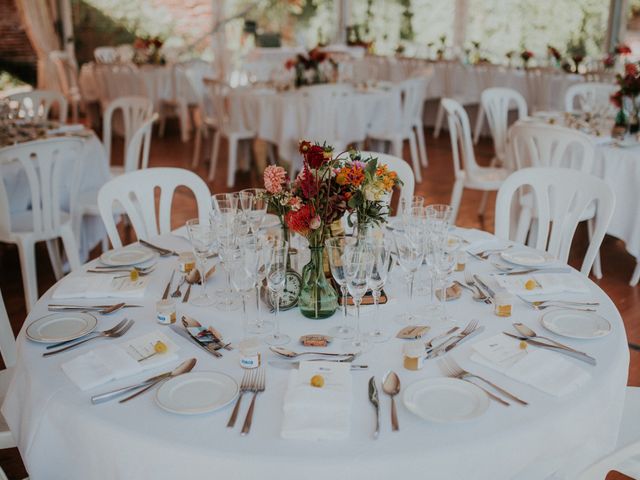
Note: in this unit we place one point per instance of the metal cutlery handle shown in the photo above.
(69, 347)
(394, 416)
(485, 286)
(572, 353)
(234, 414)
(377, 430)
(249, 418)
(105, 397)
(500, 389)
(558, 344)
(67, 342)
(491, 395)
(140, 392)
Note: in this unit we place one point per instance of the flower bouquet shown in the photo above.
(626, 98)
(147, 51)
(315, 68)
(526, 55)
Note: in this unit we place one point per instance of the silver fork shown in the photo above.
(119, 330)
(452, 373)
(247, 379)
(257, 387)
(463, 374)
(471, 326)
(141, 273)
(177, 293)
(111, 268)
(541, 304)
(485, 254)
(479, 296)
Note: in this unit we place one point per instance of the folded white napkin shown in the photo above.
(547, 283)
(111, 362)
(547, 371)
(72, 127)
(312, 413)
(477, 240)
(100, 286)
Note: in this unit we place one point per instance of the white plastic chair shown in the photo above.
(561, 196)
(230, 125)
(67, 74)
(625, 458)
(125, 53)
(46, 164)
(496, 103)
(590, 96)
(105, 55)
(404, 171)
(35, 105)
(119, 80)
(135, 193)
(468, 173)
(8, 352)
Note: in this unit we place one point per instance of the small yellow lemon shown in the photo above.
(317, 381)
(160, 347)
(530, 284)
(523, 345)
(134, 275)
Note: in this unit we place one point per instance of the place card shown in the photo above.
(315, 340)
(413, 332)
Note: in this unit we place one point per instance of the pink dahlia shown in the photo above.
(274, 178)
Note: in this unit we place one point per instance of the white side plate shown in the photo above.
(126, 256)
(197, 392)
(527, 257)
(445, 400)
(60, 327)
(573, 324)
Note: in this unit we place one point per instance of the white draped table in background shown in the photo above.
(95, 173)
(61, 435)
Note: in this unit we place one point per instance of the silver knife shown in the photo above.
(537, 270)
(160, 250)
(292, 365)
(168, 288)
(184, 334)
(104, 397)
(373, 398)
(485, 286)
(445, 347)
(572, 353)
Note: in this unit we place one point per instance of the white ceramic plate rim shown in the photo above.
(186, 376)
(146, 255)
(430, 383)
(91, 321)
(547, 323)
(508, 256)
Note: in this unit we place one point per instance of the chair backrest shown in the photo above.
(105, 55)
(50, 166)
(225, 109)
(414, 94)
(541, 145)
(7, 339)
(66, 71)
(560, 196)
(36, 104)
(496, 103)
(464, 157)
(136, 156)
(404, 171)
(134, 110)
(590, 96)
(115, 81)
(135, 192)
(125, 53)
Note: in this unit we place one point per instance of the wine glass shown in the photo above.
(244, 273)
(225, 221)
(381, 265)
(264, 248)
(445, 261)
(410, 250)
(335, 248)
(257, 208)
(276, 279)
(406, 207)
(225, 201)
(202, 238)
(358, 263)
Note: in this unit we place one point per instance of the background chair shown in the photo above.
(8, 352)
(67, 75)
(36, 105)
(105, 55)
(561, 196)
(48, 166)
(468, 173)
(589, 96)
(135, 193)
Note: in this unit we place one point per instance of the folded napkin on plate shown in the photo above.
(546, 283)
(545, 370)
(477, 240)
(100, 286)
(111, 362)
(312, 413)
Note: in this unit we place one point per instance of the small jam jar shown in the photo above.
(461, 261)
(414, 354)
(187, 262)
(166, 311)
(503, 302)
(250, 353)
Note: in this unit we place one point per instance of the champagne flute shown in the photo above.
(225, 200)
(264, 249)
(244, 275)
(358, 263)
(276, 278)
(410, 249)
(379, 273)
(335, 248)
(225, 222)
(258, 208)
(202, 238)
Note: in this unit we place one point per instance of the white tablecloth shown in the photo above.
(95, 173)
(61, 435)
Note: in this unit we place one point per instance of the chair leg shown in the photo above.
(456, 199)
(396, 148)
(71, 248)
(215, 147)
(483, 204)
(163, 121)
(27, 254)
(635, 278)
(54, 257)
(244, 149)
(479, 125)
(415, 159)
(439, 120)
(185, 122)
(422, 145)
(232, 162)
(597, 266)
(196, 149)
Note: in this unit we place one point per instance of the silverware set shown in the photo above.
(163, 252)
(100, 309)
(453, 341)
(390, 386)
(565, 304)
(252, 381)
(115, 332)
(485, 254)
(478, 295)
(142, 271)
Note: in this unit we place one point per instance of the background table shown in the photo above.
(62, 436)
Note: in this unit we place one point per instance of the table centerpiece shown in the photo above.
(312, 69)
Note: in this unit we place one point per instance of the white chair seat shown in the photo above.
(6, 439)
(486, 178)
(22, 223)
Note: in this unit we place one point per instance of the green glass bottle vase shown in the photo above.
(318, 299)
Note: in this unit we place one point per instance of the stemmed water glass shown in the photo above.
(381, 265)
(410, 250)
(264, 248)
(202, 238)
(358, 263)
(226, 223)
(254, 205)
(227, 201)
(335, 248)
(276, 279)
(244, 272)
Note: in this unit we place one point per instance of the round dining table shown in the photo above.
(62, 435)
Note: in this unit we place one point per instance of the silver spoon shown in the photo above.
(177, 293)
(391, 386)
(291, 354)
(184, 367)
(527, 332)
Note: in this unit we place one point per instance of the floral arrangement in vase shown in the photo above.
(147, 51)
(554, 53)
(526, 55)
(314, 68)
(626, 98)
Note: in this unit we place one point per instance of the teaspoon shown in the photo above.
(391, 386)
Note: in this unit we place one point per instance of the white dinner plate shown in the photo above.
(527, 257)
(574, 324)
(445, 400)
(123, 257)
(197, 392)
(60, 327)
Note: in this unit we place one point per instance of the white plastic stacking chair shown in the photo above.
(36, 104)
(468, 173)
(542, 145)
(135, 111)
(105, 55)
(134, 192)
(125, 53)
(118, 80)
(589, 96)
(404, 171)
(625, 458)
(561, 196)
(8, 352)
(48, 165)
(496, 103)
(67, 74)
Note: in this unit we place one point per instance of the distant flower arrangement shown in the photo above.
(622, 49)
(148, 51)
(314, 68)
(555, 53)
(526, 55)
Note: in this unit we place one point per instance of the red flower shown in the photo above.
(307, 183)
(289, 64)
(526, 55)
(300, 221)
(157, 42)
(315, 156)
(316, 55)
(631, 69)
(304, 146)
(616, 99)
(139, 44)
(622, 49)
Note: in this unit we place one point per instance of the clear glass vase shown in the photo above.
(318, 299)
